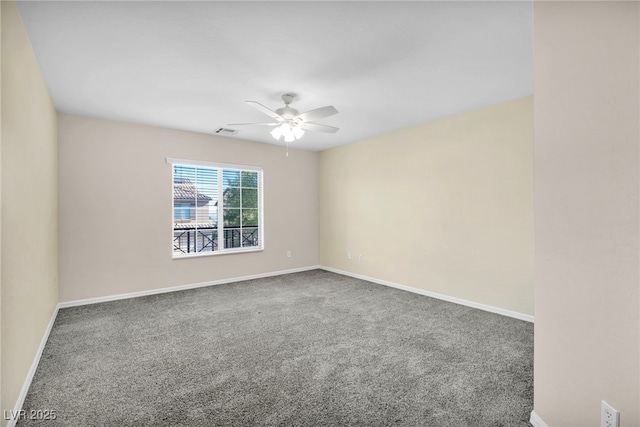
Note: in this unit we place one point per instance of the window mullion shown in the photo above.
(240, 209)
(195, 211)
(220, 211)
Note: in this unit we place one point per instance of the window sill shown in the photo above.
(217, 253)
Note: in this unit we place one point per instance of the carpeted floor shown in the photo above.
(305, 349)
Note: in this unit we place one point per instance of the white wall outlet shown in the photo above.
(288, 254)
(609, 416)
(348, 255)
(361, 258)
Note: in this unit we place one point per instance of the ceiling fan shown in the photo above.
(290, 123)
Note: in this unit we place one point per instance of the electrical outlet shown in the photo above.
(288, 254)
(348, 255)
(361, 258)
(609, 416)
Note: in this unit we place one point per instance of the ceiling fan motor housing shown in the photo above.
(287, 112)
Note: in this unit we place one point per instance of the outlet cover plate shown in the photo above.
(609, 416)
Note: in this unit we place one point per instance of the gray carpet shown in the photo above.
(305, 349)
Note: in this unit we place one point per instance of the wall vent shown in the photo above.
(225, 131)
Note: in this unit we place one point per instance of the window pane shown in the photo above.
(206, 193)
(231, 217)
(184, 196)
(195, 194)
(250, 198)
(232, 197)
(180, 173)
(181, 211)
(230, 178)
(250, 237)
(249, 179)
(207, 182)
(232, 238)
(206, 239)
(250, 217)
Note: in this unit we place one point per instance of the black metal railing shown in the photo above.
(205, 239)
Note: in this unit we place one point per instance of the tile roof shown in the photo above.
(187, 191)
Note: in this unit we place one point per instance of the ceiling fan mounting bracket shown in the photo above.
(287, 98)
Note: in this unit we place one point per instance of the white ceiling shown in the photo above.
(191, 65)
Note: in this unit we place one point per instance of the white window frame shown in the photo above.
(220, 167)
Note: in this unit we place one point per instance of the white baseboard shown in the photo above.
(32, 371)
(484, 307)
(492, 309)
(536, 421)
(181, 287)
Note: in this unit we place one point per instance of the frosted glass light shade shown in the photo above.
(289, 132)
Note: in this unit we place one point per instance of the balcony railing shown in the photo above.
(189, 239)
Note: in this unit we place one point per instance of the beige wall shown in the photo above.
(116, 207)
(445, 207)
(29, 206)
(586, 68)
(1, 404)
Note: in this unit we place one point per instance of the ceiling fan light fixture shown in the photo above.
(277, 132)
(297, 132)
(288, 131)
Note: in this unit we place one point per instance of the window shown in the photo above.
(217, 208)
(181, 211)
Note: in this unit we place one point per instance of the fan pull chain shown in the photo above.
(287, 148)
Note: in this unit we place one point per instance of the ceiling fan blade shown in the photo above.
(265, 110)
(314, 127)
(318, 113)
(254, 124)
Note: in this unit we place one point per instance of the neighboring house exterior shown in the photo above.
(189, 205)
